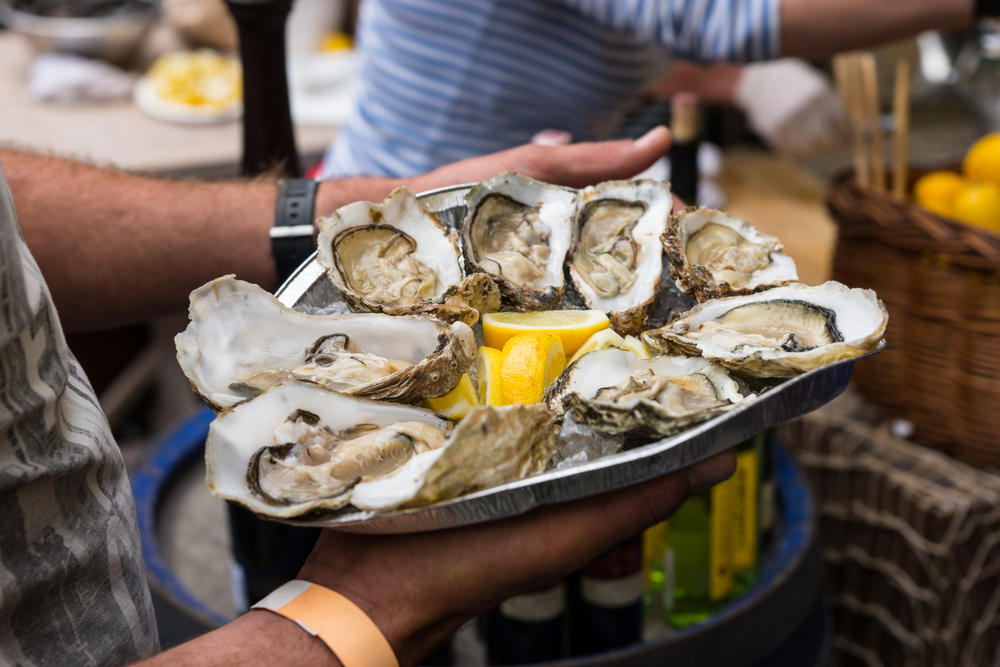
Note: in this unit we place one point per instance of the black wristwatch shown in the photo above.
(986, 8)
(292, 234)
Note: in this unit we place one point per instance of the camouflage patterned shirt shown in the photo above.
(72, 587)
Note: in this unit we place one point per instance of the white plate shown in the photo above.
(148, 100)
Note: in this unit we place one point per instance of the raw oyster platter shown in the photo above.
(315, 388)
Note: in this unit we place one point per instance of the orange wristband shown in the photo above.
(350, 634)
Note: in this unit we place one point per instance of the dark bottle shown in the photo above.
(608, 613)
(528, 628)
(685, 127)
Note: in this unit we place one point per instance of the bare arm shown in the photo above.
(117, 247)
(814, 28)
(419, 588)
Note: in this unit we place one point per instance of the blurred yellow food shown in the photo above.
(457, 402)
(982, 162)
(633, 344)
(530, 362)
(978, 204)
(936, 191)
(200, 78)
(573, 327)
(599, 341)
(337, 41)
(487, 364)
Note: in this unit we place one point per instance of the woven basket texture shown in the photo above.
(911, 543)
(940, 281)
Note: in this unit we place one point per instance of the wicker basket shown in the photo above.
(940, 281)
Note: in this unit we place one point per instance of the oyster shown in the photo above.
(615, 391)
(490, 446)
(298, 448)
(518, 230)
(778, 333)
(241, 340)
(398, 258)
(617, 261)
(714, 255)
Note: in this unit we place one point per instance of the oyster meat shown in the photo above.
(715, 255)
(617, 261)
(489, 447)
(614, 391)
(518, 231)
(299, 448)
(778, 333)
(398, 258)
(241, 341)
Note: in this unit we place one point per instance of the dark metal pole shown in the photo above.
(268, 136)
(268, 553)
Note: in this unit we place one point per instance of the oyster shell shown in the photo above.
(398, 258)
(241, 340)
(490, 446)
(298, 448)
(518, 231)
(715, 255)
(615, 391)
(617, 261)
(778, 333)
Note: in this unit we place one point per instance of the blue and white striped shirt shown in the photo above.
(443, 80)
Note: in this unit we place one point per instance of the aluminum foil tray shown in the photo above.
(309, 289)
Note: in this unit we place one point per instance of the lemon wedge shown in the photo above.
(599, 341)
(530, 361)
(457, 402)
(573, 327)
(487, 364)
(633, 344)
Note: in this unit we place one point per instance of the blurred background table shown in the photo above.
(118, 134)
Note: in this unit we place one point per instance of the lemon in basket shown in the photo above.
(982, 162)
(573, 327)
(937, 191)
(978, 204)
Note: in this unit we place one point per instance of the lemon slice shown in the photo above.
(457, 402)
(633, 344)
(487, 364)
(599, 341)
(573, 327)
(530, 361)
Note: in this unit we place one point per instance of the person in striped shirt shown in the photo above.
(443, 80)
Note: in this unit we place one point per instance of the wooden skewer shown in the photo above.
(869, 76)
(901, 114)
(846, 72)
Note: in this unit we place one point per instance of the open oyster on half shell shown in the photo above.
(298, 448)
(713, 255)
(617, 261)
(518, 231)
(615, 391)
(398, 258)
(241, 341)
(778, 333)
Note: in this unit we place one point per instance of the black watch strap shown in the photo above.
(987, 8)
(292, 234)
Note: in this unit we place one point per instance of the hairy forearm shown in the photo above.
(815, 28)
(117, 247)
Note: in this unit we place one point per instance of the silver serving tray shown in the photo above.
(309, 286)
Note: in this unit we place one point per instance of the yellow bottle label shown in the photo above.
(745, 483)
(720, 580)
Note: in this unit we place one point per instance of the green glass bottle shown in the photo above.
(698, 570)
